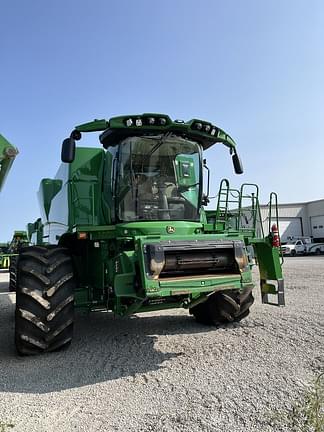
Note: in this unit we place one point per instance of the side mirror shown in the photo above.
(238, 167)
(68, 150)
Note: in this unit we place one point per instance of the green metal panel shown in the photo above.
(7, 155)
(268, 260)
(74, 196)
(85, 183)
(173, 229)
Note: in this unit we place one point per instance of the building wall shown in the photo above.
(304, 211)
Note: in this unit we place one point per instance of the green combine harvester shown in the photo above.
(124, 229)
(7, 156)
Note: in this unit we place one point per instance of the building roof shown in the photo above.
(295, 204)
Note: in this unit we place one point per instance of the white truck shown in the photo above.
(302, 246)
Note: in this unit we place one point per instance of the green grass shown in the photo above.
(314, 405)
(5, 426)
(307, 415)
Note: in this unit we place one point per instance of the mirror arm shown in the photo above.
(208, 178)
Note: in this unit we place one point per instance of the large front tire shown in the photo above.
(44, 300)
(223, 307)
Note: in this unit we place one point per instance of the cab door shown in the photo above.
(299, 246)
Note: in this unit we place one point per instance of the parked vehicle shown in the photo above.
(315, 249)
(302, 246)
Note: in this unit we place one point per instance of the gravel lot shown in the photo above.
(163, 372)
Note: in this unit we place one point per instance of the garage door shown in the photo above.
(290, 227)
(317, 226)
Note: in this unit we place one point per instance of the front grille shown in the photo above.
(178, 258)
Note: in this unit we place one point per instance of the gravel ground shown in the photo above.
(163, 372)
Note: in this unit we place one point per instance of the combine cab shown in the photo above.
(124, 229)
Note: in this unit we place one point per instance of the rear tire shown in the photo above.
(44, 300)
(13, 273)
(223, 307)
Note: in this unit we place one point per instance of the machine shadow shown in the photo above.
(4, 287)
(104, 348)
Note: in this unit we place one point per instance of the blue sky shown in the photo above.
(254, 68)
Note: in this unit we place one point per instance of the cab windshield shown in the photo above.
(158, 179)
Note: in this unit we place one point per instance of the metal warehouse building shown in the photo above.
(300, 219)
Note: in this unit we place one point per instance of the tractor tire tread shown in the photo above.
(13, 274)
(36, 274)
(223, 307)
(45, 300)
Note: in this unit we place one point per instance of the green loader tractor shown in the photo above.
(4, 257)
(123, 229)
(7, 156)
(19, 240)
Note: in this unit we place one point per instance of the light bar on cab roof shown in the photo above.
(145, 121)
(116, 128)
(200, 126)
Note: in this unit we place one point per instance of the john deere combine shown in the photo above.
(124, 229)
(7, 155)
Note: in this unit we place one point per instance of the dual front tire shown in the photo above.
(223, 307)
